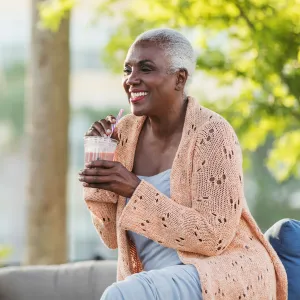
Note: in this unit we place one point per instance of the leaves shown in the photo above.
(53, 12)
(255, 43)
(284, 158)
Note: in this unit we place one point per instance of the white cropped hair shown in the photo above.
(176, 46)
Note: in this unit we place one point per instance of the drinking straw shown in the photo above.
(113, 126)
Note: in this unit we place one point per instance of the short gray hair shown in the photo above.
(176, 46)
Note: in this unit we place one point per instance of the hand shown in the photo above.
(103, 128)
(109, 175)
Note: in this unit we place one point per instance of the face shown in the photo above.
(149, 87)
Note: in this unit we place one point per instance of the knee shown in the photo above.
(112, 293)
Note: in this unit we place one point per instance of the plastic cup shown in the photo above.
(99, 148)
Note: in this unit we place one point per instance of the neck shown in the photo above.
(169, 121)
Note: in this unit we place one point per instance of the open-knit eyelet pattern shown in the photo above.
(206, 220)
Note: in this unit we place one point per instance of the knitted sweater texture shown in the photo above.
(206, 219)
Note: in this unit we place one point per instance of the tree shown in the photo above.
(253, 41)
(47, 131)
(256, 42)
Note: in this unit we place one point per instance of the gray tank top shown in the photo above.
(153, 255)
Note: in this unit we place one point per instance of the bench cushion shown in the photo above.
(73, 281)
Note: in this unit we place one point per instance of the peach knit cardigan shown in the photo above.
(207, 219)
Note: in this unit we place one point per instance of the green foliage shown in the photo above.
(53, 12)
(279, 160)
(256, 42)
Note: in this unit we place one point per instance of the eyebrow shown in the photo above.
(141, 62)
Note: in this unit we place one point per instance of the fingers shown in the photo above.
(107, 164)
(99, 171)
(95, 172)
(101, 127)
(111, 119)
(107, 122)
(106, 126)
(95, 179)
(92, 132)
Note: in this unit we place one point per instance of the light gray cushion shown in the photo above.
(74, 281)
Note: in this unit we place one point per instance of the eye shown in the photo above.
(145, 69)
(127, 71)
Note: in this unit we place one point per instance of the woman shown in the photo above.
(172, 202)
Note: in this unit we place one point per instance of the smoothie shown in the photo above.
(90, 156)
(97, 147)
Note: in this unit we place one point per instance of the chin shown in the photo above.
(138, 111)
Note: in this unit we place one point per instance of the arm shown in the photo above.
(209, 226)
(104, 220)
(103, 203)
(103, 207)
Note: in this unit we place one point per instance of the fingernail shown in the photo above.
(81, 172)
(85, 184)
(80, 178)
(88, 164)
(108, 131)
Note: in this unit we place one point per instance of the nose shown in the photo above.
(133, 78)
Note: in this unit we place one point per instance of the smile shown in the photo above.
(134, 97)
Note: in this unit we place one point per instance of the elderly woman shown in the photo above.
(172, 200)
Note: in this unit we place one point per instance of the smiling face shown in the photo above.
(149, 86)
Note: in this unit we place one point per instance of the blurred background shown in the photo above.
(248, 70)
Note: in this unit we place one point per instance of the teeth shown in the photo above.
(135, 95)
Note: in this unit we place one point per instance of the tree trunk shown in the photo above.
(47, 119)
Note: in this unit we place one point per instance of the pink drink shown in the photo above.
(99, 148)
(90, 156)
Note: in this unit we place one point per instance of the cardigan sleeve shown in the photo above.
(210, 224)
(103, 211)
(103, 207)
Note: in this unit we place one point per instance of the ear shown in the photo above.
(181, 78)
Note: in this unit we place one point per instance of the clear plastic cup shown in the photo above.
(99, 148)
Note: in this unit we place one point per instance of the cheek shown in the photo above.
(156, 85)
(163, 82)
(165, 87)
(125, 86)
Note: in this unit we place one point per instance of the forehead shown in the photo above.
(146, 51)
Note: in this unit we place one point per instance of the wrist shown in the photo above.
(137, 183)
